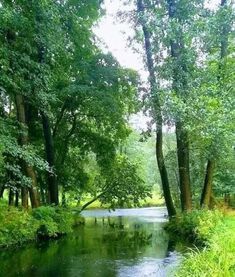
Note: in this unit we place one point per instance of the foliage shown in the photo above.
(142, 153)
(120, 185)
(192, 52)
(18, 226)
(49, 57)
(123, 185)
(196, 226)
(53, 221)
(217, 259)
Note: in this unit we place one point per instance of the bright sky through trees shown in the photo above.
(115, 35)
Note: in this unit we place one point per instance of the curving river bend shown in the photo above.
(123, 243)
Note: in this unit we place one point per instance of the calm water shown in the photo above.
(127, 242)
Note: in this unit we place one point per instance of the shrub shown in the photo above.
(53, 221)
(196, 226)
(18, 226)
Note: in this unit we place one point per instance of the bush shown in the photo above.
(18, 226)
(53, 221)
(196, 226)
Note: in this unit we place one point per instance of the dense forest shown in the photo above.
(66, 138)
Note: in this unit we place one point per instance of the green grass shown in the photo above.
(217, 257)
(155, 201)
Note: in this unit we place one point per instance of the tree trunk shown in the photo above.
(92, 200)
(163, 173)
(11, 197)
(183, 165)
(50, 156)
(181, 133)
(208, 183)
(24, 198)
(28, 169)
(2, 188)
(207, 188)
(157, 110)
(17, 198)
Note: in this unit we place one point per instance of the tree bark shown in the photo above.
(158, 113)
(50, 156)
(24, 197)
(183, 166)
(11, 197)
(28, 169)
(208, 182)
(2, 188)
(181, 133)
(207, 188)
(16, 198)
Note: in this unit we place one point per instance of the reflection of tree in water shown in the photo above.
(96, 243)
(132, 239)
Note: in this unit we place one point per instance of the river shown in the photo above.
(123, 243)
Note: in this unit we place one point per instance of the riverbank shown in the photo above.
(155, 201)
(18, 226)
(124, 242)
(213, 235)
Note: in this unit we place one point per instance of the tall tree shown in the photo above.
(179, 82)
(225, 28)
(156, 106)
(28, 169)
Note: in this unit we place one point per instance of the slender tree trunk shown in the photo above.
(181, 133)
(92, 200)
(2, 188)
(163, 173)
(24, 197)
(157, 109)
(17, 198)
(33, 193)
(208, 182)
(28, 169)
(207, 188)
(11, 197)
(183, 166)
(49, 148)
(49, 142)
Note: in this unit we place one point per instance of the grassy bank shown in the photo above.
(18, 226)
(213, 234)
(155, 201)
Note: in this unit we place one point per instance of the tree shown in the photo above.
(157, 111)
(225, 29)
(122, 186)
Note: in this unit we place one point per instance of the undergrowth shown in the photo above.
(214, 235)
(19, 226)
(196, 226)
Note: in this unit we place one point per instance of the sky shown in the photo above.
(115, 35)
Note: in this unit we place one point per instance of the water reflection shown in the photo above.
(120, 245)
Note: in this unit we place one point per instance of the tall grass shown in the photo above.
(217, 257)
